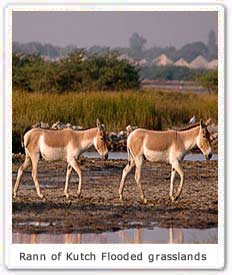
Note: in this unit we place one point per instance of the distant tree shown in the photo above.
(137, 43)
(212, 45)
(192, 50)
(170, 52)
(98, 50)
(36, 48)
(169, 73)
(151, 53)
(208, 80)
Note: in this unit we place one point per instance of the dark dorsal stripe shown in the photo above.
(188, 127)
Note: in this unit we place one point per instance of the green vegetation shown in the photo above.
(170, 72)
(150, 109)
(77, 72)
(209, 80)
(96, 72)
(137, 43)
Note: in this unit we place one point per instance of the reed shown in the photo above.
(152, 109)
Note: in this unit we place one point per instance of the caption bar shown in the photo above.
(104, 256)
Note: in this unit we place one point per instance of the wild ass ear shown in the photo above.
(202, 124)
(98, 124)
(208, 122)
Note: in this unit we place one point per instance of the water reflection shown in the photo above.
(175, 236)
(124, 156)
(138, 235)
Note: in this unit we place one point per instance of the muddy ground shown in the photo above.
(99, 209)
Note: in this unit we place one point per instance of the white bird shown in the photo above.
(192, 120)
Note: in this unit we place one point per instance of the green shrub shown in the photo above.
(77, 72)
(170, 72)
(209, 80)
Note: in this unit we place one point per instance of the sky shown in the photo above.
(113, 29)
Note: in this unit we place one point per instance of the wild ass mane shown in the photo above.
(188, 127)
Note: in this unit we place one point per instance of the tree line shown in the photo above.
(81, 71)
(76, 72)
(189, 51)
(137, 49)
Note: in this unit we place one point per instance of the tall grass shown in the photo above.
(150, 109)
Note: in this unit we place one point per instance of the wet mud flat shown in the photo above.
(99, 209)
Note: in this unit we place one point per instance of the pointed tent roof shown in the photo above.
(212, 65)
(199, 63)
(162, 60)
(181, 62)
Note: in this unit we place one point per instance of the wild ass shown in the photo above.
(65, 144)
(166, 146)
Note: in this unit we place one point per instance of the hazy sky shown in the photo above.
(84, 29)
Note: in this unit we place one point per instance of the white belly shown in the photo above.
(155, 156)
(52, 153)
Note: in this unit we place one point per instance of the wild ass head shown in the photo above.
(204, 139)
(101, 141)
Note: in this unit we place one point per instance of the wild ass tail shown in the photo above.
(129, 152)
(22, 135)
(130, 155)
(22, 140)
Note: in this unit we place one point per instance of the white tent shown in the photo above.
(181, 62)
(162, 60)
(212, 65)
(199, 63)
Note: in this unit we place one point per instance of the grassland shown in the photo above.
(151, 109)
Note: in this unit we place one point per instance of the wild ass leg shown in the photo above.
(76, 167)
(23, 167)
(35, 160)
(173, 174)
(68, 174)
(138, 163)
(179, 170)
(125, 172)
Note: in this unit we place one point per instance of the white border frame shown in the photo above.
(215, 252)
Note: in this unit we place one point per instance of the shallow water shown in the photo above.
(123, 156)
(138, 235)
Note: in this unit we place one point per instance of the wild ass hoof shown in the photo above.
(178, 195)
(144, 200)
(14, 195)
(120, 197)
(41, 196)
(177, 198)
(66, 195)
(44, 199)
(172, 198)
(78, 194)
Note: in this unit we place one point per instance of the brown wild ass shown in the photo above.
(166, 146)
(65, 144)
